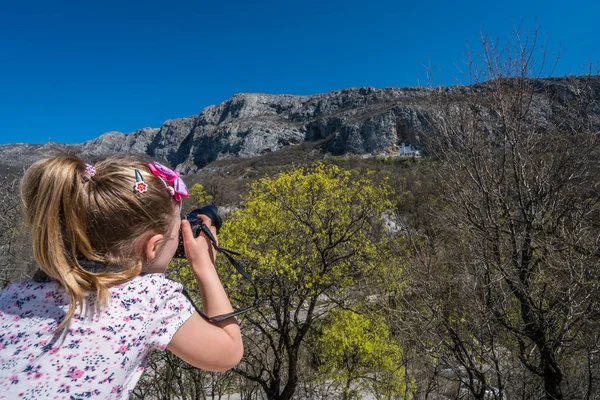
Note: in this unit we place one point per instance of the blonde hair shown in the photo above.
(98, 219)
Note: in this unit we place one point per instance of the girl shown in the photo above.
(102, 236)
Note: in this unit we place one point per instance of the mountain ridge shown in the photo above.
(355, 120)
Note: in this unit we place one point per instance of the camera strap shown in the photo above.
(229, 255)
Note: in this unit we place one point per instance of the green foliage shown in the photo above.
(199, 195)
(308, 226)
(360, 352)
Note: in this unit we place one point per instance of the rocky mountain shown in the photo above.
(360, 120)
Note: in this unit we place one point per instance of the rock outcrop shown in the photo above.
(116, 142)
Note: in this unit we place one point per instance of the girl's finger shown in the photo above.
(186, 231)
(205, 220)
(208, 222)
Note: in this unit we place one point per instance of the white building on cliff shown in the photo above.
(406, 150)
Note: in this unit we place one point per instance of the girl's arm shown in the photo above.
(212, 346)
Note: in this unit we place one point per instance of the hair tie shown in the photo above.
(88, 172)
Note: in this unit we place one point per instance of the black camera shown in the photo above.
(211, 212)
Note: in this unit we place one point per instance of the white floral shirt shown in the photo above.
(99, 354)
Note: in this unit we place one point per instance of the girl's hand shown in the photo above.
(199, 251)
(213, 346)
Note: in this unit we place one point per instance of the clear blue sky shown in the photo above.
(71, 70)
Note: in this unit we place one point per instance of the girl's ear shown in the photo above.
(152, 246)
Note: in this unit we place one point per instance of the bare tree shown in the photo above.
(510, 288)
(15, 264)
(168, 378)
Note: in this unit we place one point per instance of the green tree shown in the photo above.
(200, 196)
(360, 353)
(308, 236)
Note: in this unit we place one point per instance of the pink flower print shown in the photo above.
(117, 389)
(38, 375)
(122, 350)
(16, 318)
(1, 346)
(64, 388)
(14, 379)
(76, 374)
(126, 318)
(53, 350)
